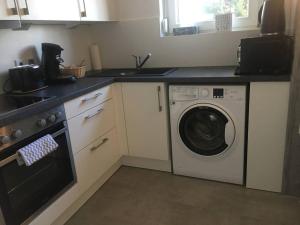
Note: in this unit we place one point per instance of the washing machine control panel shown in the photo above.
(185, 93)
(218, 93)
(204, 92)
(190, 93)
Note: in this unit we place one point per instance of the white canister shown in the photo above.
(95, 57)
(223, 22)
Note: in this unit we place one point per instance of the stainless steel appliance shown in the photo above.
(268, 55)
(26, 191)
(51, 61)
(26, 79)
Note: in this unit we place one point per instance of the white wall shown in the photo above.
(137, 9)
(139, 33)
(27, 44)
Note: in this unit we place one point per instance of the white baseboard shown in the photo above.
(152, 164)
(86, 196)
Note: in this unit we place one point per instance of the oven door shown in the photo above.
(26, 191)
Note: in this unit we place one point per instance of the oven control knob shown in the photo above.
(52, 118)
(204, 93)
(42, 123)
(58, 114)
(17, 134)
(4, 140)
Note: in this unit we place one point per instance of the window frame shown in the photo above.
(169, 12)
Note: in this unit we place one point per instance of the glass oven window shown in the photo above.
(24, 190)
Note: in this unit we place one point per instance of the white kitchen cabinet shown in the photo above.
(146, 120)
(46, 10)
(93, 161)
(97, 10)
(120, 117)
(9, 14)
(83, 103)
(268, 112)
(9, 10)
(88, 126)
(96, 151)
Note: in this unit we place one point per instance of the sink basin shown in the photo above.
(134, 72)
(155, 71)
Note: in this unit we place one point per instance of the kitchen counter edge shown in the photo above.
(203, 75)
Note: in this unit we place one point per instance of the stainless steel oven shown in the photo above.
(26, 190)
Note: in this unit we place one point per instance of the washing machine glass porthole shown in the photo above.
(202, 129)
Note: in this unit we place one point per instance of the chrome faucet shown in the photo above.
(138, 61)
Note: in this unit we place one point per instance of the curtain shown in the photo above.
(291, 183)
(290, 12)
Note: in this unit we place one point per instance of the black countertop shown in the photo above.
(223, 74)
(61, 93)
(65, 92)
(220, 75)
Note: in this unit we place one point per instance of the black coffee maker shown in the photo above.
(51, 61)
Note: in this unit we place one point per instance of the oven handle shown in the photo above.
(15, 156)
(57, 133)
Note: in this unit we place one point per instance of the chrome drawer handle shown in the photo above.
(98, 146)
(91, 98)
(159, 99)
(94, 114)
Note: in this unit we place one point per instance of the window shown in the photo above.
(201, 13)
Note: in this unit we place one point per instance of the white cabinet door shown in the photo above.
(9, 10)
(49, 10)
(268, 112)
(146, 120)
(97, 10)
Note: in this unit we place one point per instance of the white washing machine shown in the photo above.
(208, 131)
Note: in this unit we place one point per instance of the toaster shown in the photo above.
(267, 55)
(26, 78)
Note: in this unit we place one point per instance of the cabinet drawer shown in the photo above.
(93, 161)
(88, 101)
(88, 126)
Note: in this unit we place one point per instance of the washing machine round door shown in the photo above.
(206, 130)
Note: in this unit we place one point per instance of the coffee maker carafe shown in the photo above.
(51, 61)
